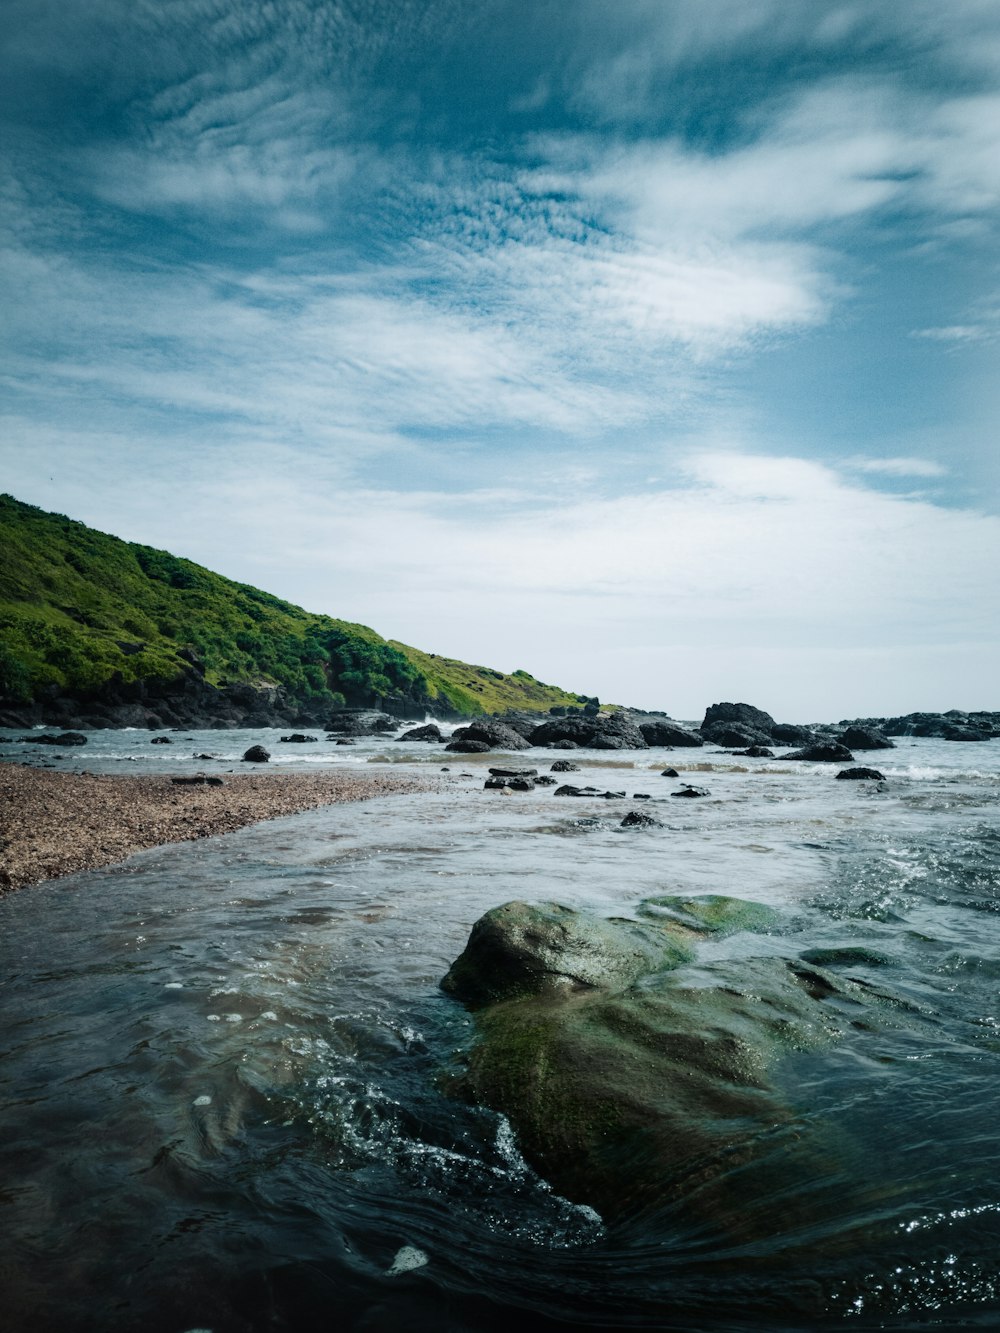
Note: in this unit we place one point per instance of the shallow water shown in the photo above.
(220, 1063)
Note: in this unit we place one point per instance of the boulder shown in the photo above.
(161, 740)
(564, 766)
(829, 752)
(493, 735)
(865, 738)
(755, 752)
(513, 772)
(568, 790)
(670, 773)
(545, 781)
(743, 715)
(256, 755)
(564, 745)
(509, 783)
(637, 819)
(612, 731)
(468, 747)
(862, 774)
(691, 791)
(669, 734)
(429, 732)
(65, 738)
(345, 740)
(529, 949)
(787, 733)
(633, 1090)
(360, 722)
(297, 738)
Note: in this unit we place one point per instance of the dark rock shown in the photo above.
(736, 725)
(545, 781)
(786, 733)
(641, 796)
(691, 791)
(430, 732)
(567, 790)
(824, 753)
(469, 747)
(256, 755)
(755, 752)
(636, 819)
(564, 745)
(864, 738)
(670, 773)
(731, 736)
(953, 732)
(297, 738)
(564, 766)
(514, 772)
(613, 731)
(65, 738)
(197, 780)
(613, 795)
(669, 734)
(360, 722)
(510, 783)
(204, 756)
(345, 740)
(493, 735)
(862, 774)
(161, 740)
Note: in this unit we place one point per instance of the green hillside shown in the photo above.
(80, 609)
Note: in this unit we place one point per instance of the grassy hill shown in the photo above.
(80, 609)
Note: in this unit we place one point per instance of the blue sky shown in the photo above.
(650, 347)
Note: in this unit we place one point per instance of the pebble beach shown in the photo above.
(59, 823)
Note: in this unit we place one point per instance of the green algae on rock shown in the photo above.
(634, 1087)
(523, 949)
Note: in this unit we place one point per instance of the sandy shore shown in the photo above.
(54, 824)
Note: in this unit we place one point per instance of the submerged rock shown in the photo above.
(64, 738)
(691, 791)
(637, 819)
(862, 774)
(564, 766)
(632, 1090)
(297, 738)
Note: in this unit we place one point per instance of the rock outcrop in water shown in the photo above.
(630, 1088)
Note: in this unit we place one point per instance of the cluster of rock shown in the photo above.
(951, 726)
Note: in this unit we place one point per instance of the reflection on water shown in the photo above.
(221, 1064)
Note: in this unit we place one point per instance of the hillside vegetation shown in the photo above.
(80, 610)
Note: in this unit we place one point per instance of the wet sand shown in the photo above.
(54, 824)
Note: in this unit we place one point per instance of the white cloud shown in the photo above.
(898, 467)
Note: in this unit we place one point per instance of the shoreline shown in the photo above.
(55, 823)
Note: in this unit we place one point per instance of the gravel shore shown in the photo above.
(54, 824)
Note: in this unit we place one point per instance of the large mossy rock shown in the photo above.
(523, 949)
(636, 1087)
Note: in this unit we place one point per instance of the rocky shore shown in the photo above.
(54, 824)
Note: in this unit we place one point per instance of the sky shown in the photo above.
(650, 347)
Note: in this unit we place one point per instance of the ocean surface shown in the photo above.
(220, 1062)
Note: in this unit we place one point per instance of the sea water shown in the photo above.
(221, 1063)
